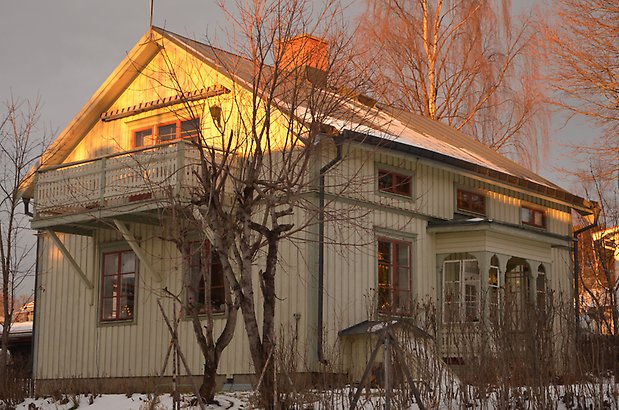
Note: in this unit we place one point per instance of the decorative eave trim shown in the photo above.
(212, 91)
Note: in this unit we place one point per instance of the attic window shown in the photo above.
(471, 202)
(165, 132)
(395, 183)
(533, 217)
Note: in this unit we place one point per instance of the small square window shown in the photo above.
(143, 138)
(189, 129)
(166, 132)
(533, 217)
(471, 202)
(392, 182)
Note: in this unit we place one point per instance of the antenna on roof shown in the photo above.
(151, 13)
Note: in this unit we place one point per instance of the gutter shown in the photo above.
(321, 246)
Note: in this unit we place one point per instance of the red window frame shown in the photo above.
(469, 201)
(118, 287)
(154, 132)
(218, 290)
(393, 296)
(395, 183)
(529, 216)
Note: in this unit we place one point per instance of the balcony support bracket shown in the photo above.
(65, 252)
(135, 246)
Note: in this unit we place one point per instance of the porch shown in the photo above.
(132, 184)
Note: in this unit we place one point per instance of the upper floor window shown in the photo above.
(395, 183)
(202, 256)
(471, 202)
(118, 286)
(394, 276)
(159, 133)
(533, 217)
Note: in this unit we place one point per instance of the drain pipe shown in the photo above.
(321, 246)
(577, 271)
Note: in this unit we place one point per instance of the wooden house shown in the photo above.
(437, 216)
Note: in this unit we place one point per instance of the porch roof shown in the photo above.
(377, 326)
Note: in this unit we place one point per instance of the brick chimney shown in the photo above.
(304, 51)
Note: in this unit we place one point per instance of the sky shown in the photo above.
(61, 51)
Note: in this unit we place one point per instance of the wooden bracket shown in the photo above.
(135, 246)
(65, 252)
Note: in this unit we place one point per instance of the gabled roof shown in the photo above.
(378, 124)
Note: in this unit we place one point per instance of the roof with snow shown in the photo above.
(374, 124)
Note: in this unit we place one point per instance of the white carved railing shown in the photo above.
(161, 172)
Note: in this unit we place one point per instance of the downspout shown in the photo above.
(36, 310)
(577, 272)
(321, 246)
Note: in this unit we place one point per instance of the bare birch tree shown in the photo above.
(583, 48)
(465, 63)
(18, 152)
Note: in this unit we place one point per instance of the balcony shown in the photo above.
(129, 184)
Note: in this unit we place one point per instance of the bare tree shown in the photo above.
(18, 152)
(465, 63)
(584, 50)
(257, 166)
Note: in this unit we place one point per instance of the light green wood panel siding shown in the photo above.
(507, 245)
(78, 345)
(561, 273)
(479, 240)
(460, 242)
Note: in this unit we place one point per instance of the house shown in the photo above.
(437, 216)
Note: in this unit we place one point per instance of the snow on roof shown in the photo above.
(19, 328)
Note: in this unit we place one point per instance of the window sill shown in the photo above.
(118, 322)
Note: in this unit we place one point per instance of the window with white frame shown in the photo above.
(461, 290)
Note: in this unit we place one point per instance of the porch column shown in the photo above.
(483, 262)
(533, 280)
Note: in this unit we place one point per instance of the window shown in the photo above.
(180, 129)
(493, 290)
(540, 288)
(516, 293)
(471, 202)
(461, 286)
(533, 217)
(198, 253)
(389, 181)
(118, 288)
(394, 276)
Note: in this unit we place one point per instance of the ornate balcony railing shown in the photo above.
(160, 173)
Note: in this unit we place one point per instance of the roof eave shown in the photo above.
(581, 205)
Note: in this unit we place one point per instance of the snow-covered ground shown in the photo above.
(604, 396)
(124, 402)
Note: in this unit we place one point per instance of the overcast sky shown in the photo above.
(62, 50)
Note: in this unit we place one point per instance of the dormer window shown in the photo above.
(471, 202)
(395, 183)
(165, 132)
(533, 217)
